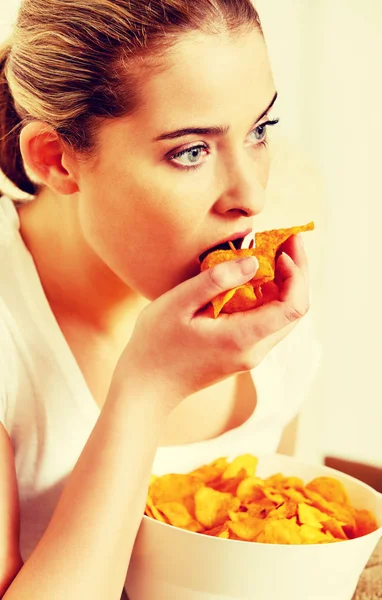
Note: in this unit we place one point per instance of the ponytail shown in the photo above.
(11, 162)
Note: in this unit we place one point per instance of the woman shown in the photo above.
(140, 130)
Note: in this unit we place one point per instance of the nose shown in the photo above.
(243, 182)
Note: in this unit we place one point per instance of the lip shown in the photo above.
(229, 238)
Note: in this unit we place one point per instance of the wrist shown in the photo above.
(151, 394)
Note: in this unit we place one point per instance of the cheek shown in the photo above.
(265, 170)
(137, 230)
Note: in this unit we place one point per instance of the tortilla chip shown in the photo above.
(252, 295)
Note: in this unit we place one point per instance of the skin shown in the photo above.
(130, 211)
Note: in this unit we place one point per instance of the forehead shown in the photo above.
(206, 77)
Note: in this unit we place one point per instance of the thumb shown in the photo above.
(195, 293)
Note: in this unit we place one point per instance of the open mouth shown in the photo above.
(225, 246)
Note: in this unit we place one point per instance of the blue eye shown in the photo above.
(194, 157)
(260, 132)
(191, 157)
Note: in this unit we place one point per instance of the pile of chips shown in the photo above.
(261, 288)
(227, 500)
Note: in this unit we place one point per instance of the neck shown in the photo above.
(78, 284)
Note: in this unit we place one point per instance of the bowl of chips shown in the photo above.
(254, 528)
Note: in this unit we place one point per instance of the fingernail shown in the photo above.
(300, 240)
(247, 265)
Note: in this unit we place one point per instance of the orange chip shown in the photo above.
(364, 522)
(211, 507)
(246, 462)
(312, 535)
(330, 489)
(172, 487)
(251, 489)
(247, 529)
(212, 471)
(309, 515)
(280, 531)
(149, 512)
(335, 528)
(221, 531)
(339, 512)
(178, 515)
(287, 510)
(273, 495)
(227, 500)
(154, 512)
(270, 241)
(276, 480)
(252, 295)
(260, 509)
(229, 485)
(296, 495)
(293, 482)
(244, 297)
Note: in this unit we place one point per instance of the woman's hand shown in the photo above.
(176, 346)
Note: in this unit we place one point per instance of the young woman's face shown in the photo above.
(159, 194)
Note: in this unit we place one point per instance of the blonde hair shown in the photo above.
(74, 63)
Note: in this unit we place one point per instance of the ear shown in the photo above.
(47, 158)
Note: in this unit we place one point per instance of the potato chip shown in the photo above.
(261, 509)
(228, 500)
(296, 495)
(293, 482)
(364, 522)
(250, 489)
(276, 480)
(312, 535)
(154, 511)
(247, 529)
(287, 510)
(212, 471)
(149, 512)
(229, 486)
(246, 462)
(334, 527)
(211, 507)
(273, 495)
(221, 531)
(330, 489)
(333, 509)
(280, 531)
(251, 295)
(172, 487)
(309, 515)
(178, 515)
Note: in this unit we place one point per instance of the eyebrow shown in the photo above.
(215, 130)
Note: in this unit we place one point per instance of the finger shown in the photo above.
(194, 294)
(294, 288)
(294, 246)
(270, 318)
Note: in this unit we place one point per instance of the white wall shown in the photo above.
(8, 14)
(327, 56)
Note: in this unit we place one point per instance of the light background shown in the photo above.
(327, 57)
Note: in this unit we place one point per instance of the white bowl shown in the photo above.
(169, 563)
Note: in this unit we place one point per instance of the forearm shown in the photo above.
(86, 548)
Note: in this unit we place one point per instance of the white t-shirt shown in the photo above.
(49, 412)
